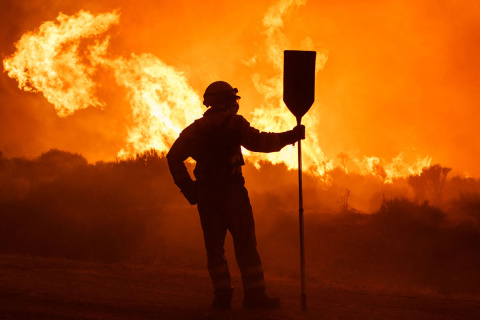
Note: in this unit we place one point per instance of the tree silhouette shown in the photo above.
(429, 185)
(344, 200)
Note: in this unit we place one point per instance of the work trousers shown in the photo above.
(222, 208)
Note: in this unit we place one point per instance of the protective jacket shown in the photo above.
(214, 142)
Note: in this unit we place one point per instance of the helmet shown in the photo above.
(218, 92)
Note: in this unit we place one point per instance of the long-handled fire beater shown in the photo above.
(299, 95)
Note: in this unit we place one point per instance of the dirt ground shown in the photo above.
(41, 288)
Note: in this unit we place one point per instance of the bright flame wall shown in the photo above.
(397, 78)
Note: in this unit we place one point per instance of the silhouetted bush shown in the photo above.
(130, 210)
(60, 205)
(430, 184)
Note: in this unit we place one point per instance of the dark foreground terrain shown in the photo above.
(119, 241)
(41, 288)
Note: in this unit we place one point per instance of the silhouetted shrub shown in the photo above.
(60, 205)
(130, 210)
(403, 211)
(430, 184)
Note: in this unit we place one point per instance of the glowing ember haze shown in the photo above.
(148, 76)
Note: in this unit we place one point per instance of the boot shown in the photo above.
(258, 299)
(223, 298)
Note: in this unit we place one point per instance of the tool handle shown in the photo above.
(300, 216)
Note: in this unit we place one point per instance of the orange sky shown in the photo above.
(401, 76)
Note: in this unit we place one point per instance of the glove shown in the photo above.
(292, 136)
(299, 132)
(190, 191)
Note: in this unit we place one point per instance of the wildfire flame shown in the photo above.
(273, 114)
(61, 57)
(48, 60)
(162, 102)
(401, 166)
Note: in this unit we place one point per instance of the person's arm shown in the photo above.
(176, 156)
(258, 141)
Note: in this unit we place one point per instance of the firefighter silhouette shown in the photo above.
(214, 141)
